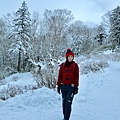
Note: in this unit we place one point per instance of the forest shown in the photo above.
(29, 41)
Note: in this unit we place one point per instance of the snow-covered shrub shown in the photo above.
(51, 78)
(115, 57)
(3, 94)
(45, 78)
(12, 90)
(8, 71)
(15, 78)
(47, 75)
(107, 57)
(92, 66)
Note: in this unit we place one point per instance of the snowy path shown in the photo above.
(98, 99)
(100, 96)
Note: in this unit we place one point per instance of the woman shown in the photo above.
(68, 81)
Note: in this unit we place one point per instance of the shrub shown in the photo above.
(45, 77)
(93, 66)
(12, 90)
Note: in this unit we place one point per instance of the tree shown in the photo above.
(21, 45)
(76, 36)
(2, 48)
(80, 36)
(106, 21)
(36, 38)
(101, 35)
(115, 27)
(56, 25)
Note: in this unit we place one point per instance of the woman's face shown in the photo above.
(70, 58)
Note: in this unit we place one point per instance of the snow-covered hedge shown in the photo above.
(11, 90)
(96, 62)
(47, 75)
(92, 66)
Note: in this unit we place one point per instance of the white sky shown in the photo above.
(83, 10)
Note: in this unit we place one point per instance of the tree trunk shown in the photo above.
(19, 60)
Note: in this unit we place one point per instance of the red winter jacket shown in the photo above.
(68, 74)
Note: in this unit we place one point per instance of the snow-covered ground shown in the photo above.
(98, 98)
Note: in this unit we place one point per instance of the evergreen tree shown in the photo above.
(77, 44)
(101, 35)
(115, 27)
(21, 45)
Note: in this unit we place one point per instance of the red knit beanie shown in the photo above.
(69, 52)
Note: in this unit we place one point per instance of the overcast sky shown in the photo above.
(83, 10)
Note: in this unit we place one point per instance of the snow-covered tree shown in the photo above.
(21, 34)
(115, 27)
(80, 36)
(4, 45)
(106, 21)
(38, 37)
(101, 35)
(56, 25)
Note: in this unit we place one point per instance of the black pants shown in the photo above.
(67, 96)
